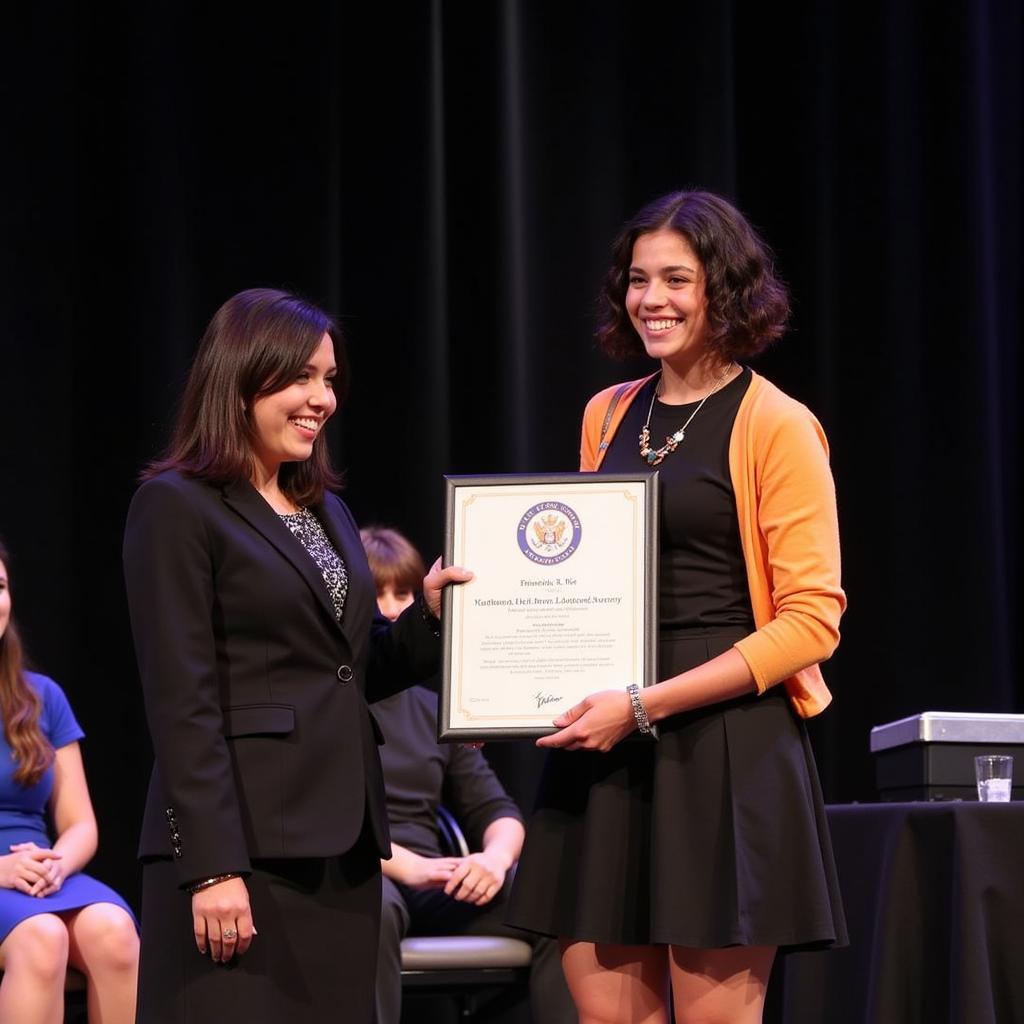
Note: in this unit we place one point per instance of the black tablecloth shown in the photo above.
(934, 898)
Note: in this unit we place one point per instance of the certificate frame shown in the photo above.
(549, 617)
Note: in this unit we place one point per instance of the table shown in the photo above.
(934, 900)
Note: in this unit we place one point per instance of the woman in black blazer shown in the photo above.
(258, 644)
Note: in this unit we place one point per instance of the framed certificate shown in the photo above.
(562, 603)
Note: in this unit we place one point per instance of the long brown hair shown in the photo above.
(20, 705)
(256, 344)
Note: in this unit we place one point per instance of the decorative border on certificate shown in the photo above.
(563, 600)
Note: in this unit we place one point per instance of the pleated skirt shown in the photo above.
(314, 959)
(713, 836)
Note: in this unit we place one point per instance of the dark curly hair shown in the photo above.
(748, 306)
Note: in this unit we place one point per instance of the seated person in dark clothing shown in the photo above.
(425, 892)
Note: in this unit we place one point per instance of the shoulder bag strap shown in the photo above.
(619, 392)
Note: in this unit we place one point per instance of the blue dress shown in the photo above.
(23, 817)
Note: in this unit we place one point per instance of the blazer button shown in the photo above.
(345, 673)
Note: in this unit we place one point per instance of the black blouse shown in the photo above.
(702, 575)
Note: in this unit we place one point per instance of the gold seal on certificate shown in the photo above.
(562, 603)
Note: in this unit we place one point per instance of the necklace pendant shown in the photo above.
(672, 441)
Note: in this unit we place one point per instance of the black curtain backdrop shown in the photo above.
(447, 177)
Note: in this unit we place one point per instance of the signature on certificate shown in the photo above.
(545, 698)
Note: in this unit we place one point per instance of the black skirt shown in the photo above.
(314, 959)
(715, 835)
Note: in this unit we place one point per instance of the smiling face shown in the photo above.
(285, 423)
(665, 298)
(5, 600)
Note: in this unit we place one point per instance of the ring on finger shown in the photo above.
(229, 934)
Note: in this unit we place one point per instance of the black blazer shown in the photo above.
(256, 696)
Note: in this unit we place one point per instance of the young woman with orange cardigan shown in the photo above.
(687, 863)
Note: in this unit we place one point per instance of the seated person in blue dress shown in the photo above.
(425, 892)
(51, 914)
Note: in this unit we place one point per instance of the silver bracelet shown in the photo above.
(643, 723)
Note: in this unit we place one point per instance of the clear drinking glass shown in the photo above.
(994, 773)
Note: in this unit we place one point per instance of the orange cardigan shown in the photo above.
(786, 506)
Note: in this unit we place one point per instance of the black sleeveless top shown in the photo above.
(702, 581)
